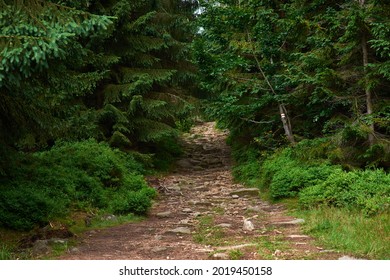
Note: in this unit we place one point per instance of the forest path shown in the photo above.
(202, 214)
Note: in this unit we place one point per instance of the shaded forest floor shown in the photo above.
(201, 213)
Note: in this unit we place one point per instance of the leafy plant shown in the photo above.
(79, 175)
(367, 191)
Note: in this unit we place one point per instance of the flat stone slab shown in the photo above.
(159, 249)
(201, 203)
(246, 192)
(297, 236)
(347, 258)
(224, 225)
(164, 214)
(256, 209)
(180, 230)
(290, 223)
(201, 189)
(221, 256)
(235, 247)
(184, 163)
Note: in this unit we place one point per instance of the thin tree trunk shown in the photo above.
(286, 123)
(368, 92)
(282, 109)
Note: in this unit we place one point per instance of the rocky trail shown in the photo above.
(201, 213)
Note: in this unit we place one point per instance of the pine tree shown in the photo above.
(43, 71)
(146, 90)
(246, 43)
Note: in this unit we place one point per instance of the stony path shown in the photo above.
(202, 214)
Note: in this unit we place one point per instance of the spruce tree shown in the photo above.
(43, 71)
(150, 78)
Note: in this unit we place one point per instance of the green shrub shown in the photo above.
(167, 152)
(284, 175)
(248, 167)
(133, 202)
(288, 182)
(24, 206)
(72, 175)
(368, 191)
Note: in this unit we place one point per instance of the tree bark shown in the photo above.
(286, 123)
(282, 109)
(367, 90)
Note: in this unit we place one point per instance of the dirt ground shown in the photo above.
(201, 213)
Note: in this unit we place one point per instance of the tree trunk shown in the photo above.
(368, 93)
(282, 109)
(286, 123)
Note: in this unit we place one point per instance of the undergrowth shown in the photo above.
(349, 231)
(72, 176)
(344, 207)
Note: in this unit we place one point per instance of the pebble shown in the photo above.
(277, 253)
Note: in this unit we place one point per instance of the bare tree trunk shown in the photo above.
(368, 92)
(282, 109)
(286, 123)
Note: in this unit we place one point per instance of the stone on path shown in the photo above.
(221, 256)
(159, 249)
(290, 223)
(224, 225)
(347, 258)
(180, 230)
(277, 253)
(201, 189)
(235, 247)
(255, 209)
(297, 236)
(248, 226)
(246, 191)
(41, 247)
(184, 163)
(165, 214)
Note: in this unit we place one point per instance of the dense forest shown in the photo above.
(309, 76)
(94, 95)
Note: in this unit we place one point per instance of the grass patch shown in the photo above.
(5, 252)
(207, 233)
(235, 254)
(267, 245)
(219, 210)
(352, 232)
(103, 222)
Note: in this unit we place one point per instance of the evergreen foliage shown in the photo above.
(144, 94)
(113, 71)
(72, 176)
(313, 69)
